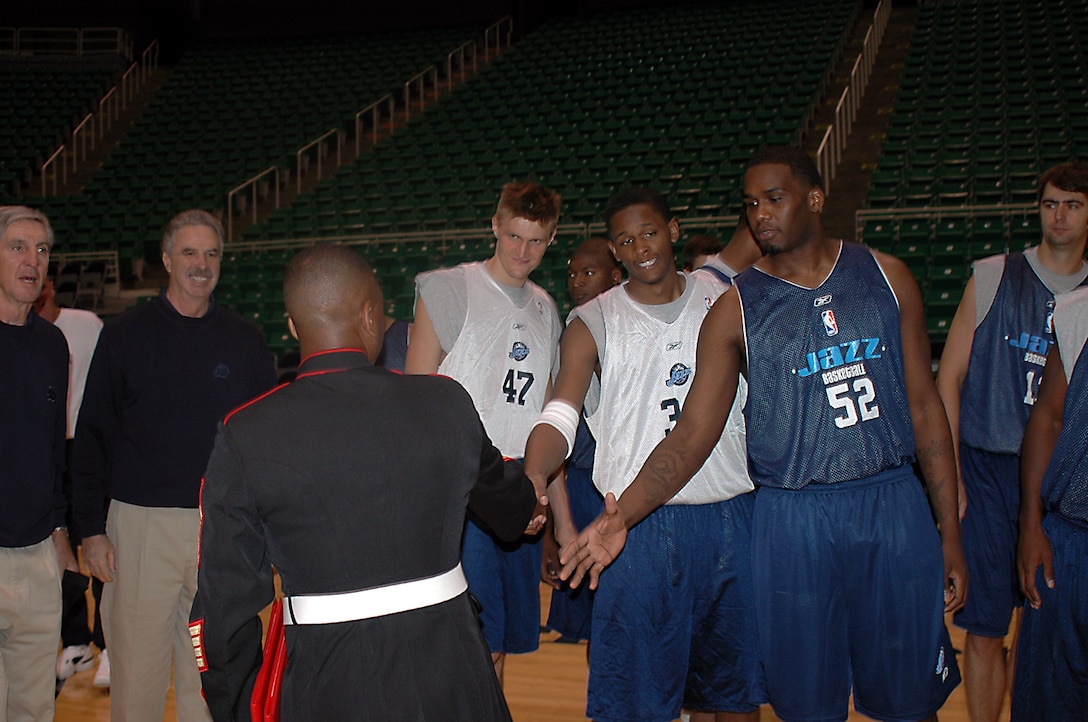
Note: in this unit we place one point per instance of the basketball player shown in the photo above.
(673, 624)
(591, 271)
(1052, 662)
(852, 578)
(497, 333)
(989, 380)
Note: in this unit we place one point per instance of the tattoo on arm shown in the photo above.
(664, 470)
(931, 458)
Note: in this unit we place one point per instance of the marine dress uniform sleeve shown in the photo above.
(503, 497)
(234, 583)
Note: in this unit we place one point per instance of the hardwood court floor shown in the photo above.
(546, 686)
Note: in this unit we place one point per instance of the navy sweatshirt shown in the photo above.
(158, 385)
(34, 402)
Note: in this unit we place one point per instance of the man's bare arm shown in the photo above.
(679, 455)
(546, 449)
(424, 350)
(932, 435)
(1040, 437)
(953, 370)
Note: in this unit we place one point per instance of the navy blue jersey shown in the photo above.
(827, 399)
(1065, 483)
(585, 446)
(1007, 358)
(394, 347)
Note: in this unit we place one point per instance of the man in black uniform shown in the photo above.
(353, 483)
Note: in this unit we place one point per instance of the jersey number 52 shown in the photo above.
(838, 397)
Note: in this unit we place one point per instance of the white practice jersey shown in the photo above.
(646, 371)
(504, 357)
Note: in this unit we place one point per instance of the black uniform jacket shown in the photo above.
(348, 478)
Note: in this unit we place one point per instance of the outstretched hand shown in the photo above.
(540, 515)
(596, 547)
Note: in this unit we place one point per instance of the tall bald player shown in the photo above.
(352, 482)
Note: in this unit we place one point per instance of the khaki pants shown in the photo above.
(29, 631)
(145, 613)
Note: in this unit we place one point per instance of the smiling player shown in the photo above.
(676, 608)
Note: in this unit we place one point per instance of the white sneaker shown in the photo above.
(72, 659)
(102, 674)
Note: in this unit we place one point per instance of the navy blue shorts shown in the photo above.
(571, 610)
(673, 622)
(989, 529)
(850, 595)
(505, 578)
(1051, 681)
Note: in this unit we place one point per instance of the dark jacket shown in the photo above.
(348, 478)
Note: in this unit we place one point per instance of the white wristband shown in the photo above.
(562, 417)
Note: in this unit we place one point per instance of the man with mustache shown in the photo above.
(162, 377)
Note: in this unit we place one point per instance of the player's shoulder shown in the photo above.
(1075, 301)
(892, 266)
(713, 273)
(450, 274)
(542, 296)
(991, 265)
(709, 282)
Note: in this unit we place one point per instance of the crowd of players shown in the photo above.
(742, 479)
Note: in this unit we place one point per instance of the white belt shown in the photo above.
(376, 602)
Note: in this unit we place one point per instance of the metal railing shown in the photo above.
(441, 239)
(321, 150)
(498, 35)
(109, 109)
(254, 185)
(825, 157)
(938, 213)
(80, 134)
(829, 153)
(105, 41)
(149, 60)
(375, 111)
(130, 83)
(425, 83)
(419, 81)
(51, 164)
(459, 57)
(65, 41)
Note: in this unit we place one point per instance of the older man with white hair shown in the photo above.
(33, 541)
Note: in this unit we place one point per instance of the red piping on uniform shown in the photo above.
(252, 401)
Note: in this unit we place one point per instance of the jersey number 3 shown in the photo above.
(838, 398)
(510, 386)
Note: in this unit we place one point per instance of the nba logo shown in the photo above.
(830, 326)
